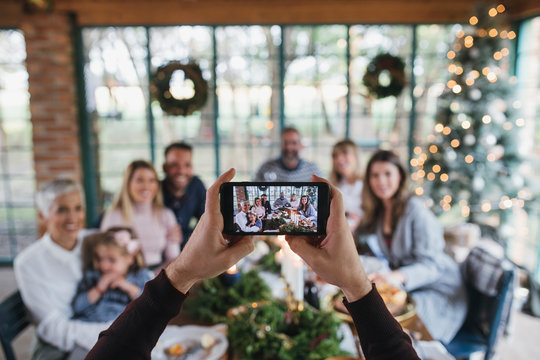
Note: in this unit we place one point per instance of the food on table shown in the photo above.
(207, 341)
(394, 297)
(175, 349)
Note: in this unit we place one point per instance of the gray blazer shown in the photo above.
(433, 278)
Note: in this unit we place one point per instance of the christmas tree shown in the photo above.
(472, 160)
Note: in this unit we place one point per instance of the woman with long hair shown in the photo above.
(306, 209)
(346, 176)
(139, 205)
(411, 239)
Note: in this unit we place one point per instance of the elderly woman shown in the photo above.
(47, 273)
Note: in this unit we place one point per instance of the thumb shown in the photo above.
(301, 246)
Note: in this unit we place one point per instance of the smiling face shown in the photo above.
(252, 217)
(111, 260)
(291, 144)
(245, 206)
(178, 168)
(384, 179)
(143, 186)
(65, 218)
(257, 202)
(303, 200)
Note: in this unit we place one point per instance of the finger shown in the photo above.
(336, 203)
(212, 195)
(300, 245)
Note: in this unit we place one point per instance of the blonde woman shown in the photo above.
(346, 177)
(139, 205)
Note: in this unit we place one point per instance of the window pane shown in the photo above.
(248, 95)
(17, 184)
(184, 44)
(117, 98)
(383, 121)
(316, 87)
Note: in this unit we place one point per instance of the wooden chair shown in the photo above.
(13, 320)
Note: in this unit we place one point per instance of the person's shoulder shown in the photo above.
(29, 254)
(416, 205)
(197, 183)
(270, 163)
(309, 164)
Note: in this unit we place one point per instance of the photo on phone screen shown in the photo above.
(275, 208)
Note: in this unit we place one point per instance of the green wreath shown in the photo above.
(385, 76)
(161, 85)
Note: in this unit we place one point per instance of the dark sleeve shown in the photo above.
(80, 301)
(135, 332)
(380, 334)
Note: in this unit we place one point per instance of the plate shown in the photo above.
(188, 336)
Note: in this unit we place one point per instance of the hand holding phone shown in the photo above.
(272, 208)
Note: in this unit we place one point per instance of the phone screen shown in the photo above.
(276, 208)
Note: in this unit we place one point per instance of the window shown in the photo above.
(17, 184)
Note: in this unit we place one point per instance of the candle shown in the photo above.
(292, 269)
(231, 276)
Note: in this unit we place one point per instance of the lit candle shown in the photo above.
(231, 276)
(292, 269)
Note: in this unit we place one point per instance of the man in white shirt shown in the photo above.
(48, 271)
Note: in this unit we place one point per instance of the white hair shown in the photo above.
(52, 190)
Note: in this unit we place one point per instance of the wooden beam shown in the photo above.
(10, 13)
(122, 12)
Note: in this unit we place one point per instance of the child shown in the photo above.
(114, 274)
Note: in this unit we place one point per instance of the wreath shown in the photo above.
(161, 88)
(385, 76)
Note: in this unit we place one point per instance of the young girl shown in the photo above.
(139, 205)
(253, 222)
(114, 274)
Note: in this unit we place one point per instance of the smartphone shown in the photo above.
(278, 208)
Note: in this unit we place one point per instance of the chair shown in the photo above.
(489, 282)
(13, 320)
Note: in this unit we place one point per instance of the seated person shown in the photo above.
(266, 204)
(306, 209)
(47, 273)
(281, 201)
(254, 224)
(411, 239)
(259, 209)
(241, 219)
(115, 275)
(295, 202)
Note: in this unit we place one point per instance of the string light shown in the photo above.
(465, 211)
(452, 68)
(421, 173)
(469, 159)
(459, 70)
(493, 32)
(469, 82)
(447, 130)
(419, 191)
(516, 104)
(491, 77)
(486, 71)
(460, 34)
(456, 89)
(454, 106)
(503, 34)
(451, 54)
(431, 176)
(505, 52)
(417, 150)
(451, 83)
(454, 143)
(473, 20)
(498, 55)
(501, 8)
(511, 35)
(491, 157)
(436, 168)
(468, 42)
(414, 162)
(433, 149)
(520, 122)
(482, 33)
(466, 124)
(486, 119)
(414, 176)
(444, 177)
(486, 206)
(492, 12)
(439, 127)
(447, 198)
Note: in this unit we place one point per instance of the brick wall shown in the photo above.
(53, 97)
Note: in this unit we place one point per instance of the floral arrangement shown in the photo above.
(212, 298)
(270, 331)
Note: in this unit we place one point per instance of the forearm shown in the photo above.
(380, 334)
(159, 302)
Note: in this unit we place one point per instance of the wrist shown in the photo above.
(357, 290)
(99, 290)
(181, 280)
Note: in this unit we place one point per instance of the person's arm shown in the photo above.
(135, 332)
(241, 221)
(336, 261)
(88, 293)
(428, 240)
